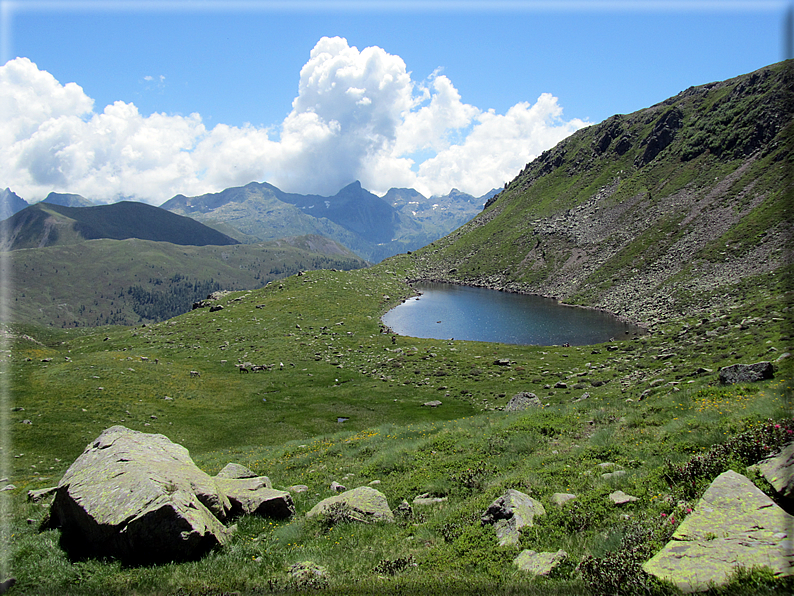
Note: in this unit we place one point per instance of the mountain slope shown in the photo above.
(67, 200)
(125, 282)
(43, 224)
(649, 215)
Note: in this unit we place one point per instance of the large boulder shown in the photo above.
(734, 524)
(138, 497)
(521, 401)
(746, 373)
(511, 512)
(365, 504)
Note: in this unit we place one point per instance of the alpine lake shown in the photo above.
(449, 311)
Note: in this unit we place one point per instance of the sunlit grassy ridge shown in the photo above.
(320, 334)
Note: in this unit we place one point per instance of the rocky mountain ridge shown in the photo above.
(373, 227)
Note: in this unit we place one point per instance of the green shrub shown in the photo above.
(745, 449)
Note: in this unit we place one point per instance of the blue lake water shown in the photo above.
(447, 311)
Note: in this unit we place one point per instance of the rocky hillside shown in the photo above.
(649, 215)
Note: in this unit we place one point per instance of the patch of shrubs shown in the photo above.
(620, 572)
(746, 448)
(472, 478)
(394, 566)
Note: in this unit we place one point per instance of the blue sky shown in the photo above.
(206, 95)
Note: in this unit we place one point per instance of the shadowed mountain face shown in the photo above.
(46, 224)
(658, 213)
(370, 226)
(10, 203)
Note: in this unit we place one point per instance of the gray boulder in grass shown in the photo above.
(366, 505)
(511, 512)
(734, 524)
(746, 373)
(140, 498)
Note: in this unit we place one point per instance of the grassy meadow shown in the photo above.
(648, 405)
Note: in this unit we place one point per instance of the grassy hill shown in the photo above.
(125, 282)
(650, 406)
(49, 224)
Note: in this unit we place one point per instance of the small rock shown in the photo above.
(232, 470)
(432, 404)
(620, 498)
(522, 401)
(511, 512)
(297, 488)
(561, 499)
(537, 563)
(337, 488)
(613, 475)
(427, 499)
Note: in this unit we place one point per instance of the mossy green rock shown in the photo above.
(367, 505)
(734, 524)
(536, 563)
(139, 497)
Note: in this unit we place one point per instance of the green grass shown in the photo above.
(324, 327)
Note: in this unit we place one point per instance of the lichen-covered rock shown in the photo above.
(138, 497)
(366, 504)
(511, 512)
(255, 496)
(618, 497)
(733, 524)
(232, 470)
(779, 471)
(561, 499)
(537, 563)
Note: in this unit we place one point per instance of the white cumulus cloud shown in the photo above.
(358, 115)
